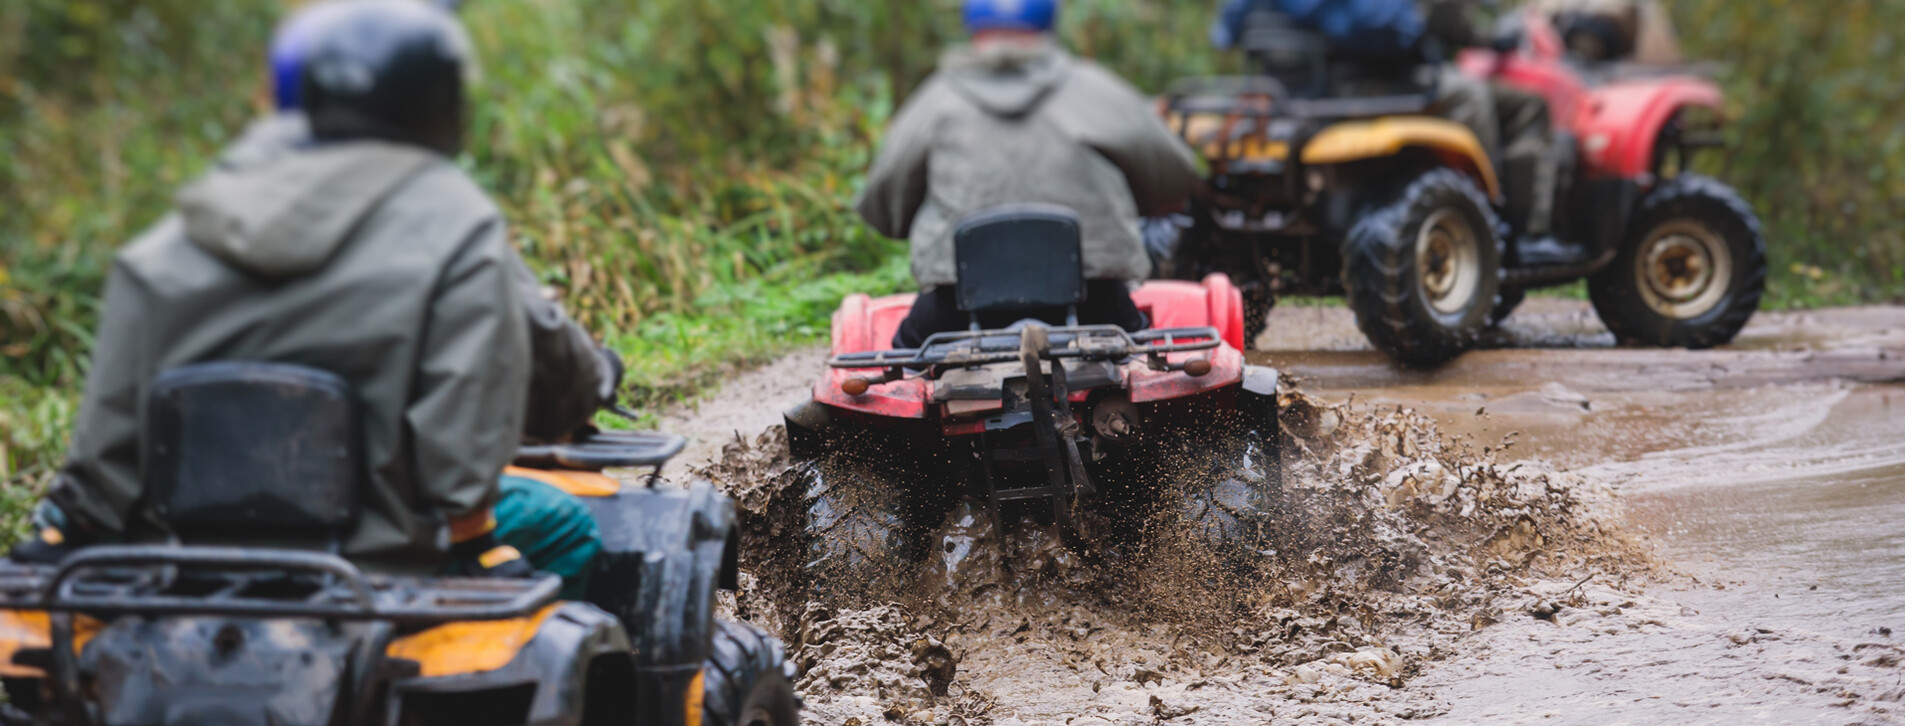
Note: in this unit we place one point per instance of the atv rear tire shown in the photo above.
(1422, 273)
(1690, 270)
(1228, 496)
(747, 679)
(853, 523)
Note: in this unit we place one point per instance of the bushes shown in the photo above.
(1817, 139)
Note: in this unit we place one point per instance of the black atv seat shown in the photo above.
(1019, 258)
(238, 449)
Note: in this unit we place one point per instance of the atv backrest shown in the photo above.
(1019, 257)
(247, 448)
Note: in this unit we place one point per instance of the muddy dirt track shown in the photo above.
(1549, 530)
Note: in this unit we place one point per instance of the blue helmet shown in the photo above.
(1038, 16)
(289, 49)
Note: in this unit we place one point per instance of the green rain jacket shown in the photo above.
(1026, 123)
(381, 263)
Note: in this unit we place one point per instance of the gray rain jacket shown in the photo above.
(381, 263)
(1014, 123)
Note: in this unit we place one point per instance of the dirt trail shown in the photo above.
(1523, 584)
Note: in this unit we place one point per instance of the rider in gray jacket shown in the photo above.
(1014, 118)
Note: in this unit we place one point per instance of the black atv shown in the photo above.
(188, 632)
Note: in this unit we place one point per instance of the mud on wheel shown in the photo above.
(1422, 272)
(853, 527)
(1690, 269)
(1228, 492)
(747, 679)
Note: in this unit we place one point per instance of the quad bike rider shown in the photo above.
(1027, 362)
(318, 368)
(1333, 175)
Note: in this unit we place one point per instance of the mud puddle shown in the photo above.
(1765, 477)
(1619, 524)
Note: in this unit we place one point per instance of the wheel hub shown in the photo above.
(1448, 261)
(1682, 269)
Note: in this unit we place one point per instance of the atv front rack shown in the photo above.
(987, 347)
(604, 449)
(250, 582)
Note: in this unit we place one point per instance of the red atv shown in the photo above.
(1044, 418)
(1323, 183)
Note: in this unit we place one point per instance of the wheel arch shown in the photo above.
(1451, 143)
(1621, 122)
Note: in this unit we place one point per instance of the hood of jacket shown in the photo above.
(1007, 79)
(284, 212)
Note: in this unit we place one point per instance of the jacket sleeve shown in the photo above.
(896, 185)
(567, 380)
(1158, 166)
(99, 485)
(473, 372)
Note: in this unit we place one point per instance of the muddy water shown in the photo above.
(1768, 478)
(1757, 484)
(1808, 523)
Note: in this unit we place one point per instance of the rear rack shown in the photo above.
(133, 579)
(1089, 342)
(1245, 96)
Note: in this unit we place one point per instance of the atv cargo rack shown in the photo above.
(263, 583)
(986, 347)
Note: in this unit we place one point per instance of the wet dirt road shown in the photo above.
(1768, 479)
(1758, 488)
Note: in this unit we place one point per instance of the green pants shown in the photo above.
(553, 530)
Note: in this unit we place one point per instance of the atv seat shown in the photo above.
(1019, 259)
(252, 451)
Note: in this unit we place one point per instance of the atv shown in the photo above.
(1044, 419)
(1326, 181)
(206, 628)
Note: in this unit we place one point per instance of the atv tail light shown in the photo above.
(855, 386)
(1197, 367)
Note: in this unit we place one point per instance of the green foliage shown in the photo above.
(681, 170)
(1817, 136)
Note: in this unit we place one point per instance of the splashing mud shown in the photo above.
(1385, 541)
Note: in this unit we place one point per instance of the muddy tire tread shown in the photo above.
(1614, 298)
(746, 669)
(1380, 284)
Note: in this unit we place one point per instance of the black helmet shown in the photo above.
(387, 69)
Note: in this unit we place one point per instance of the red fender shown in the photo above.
(1620, 122)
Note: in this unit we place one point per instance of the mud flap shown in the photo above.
(1257, 401)
(807, 425)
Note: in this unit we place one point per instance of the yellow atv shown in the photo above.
(1325, 179)
(209, 629)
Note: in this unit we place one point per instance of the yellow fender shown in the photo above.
(1384, 137)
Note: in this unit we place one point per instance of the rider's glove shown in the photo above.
(484, 556)
(52, 538)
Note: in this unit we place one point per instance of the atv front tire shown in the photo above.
(747, 679)
(1422, 273)
(1690, 270)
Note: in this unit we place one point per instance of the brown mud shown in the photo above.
(1528, 535)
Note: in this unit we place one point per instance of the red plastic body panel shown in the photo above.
(1179, 304)
(1616, 123)
(864, 323)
